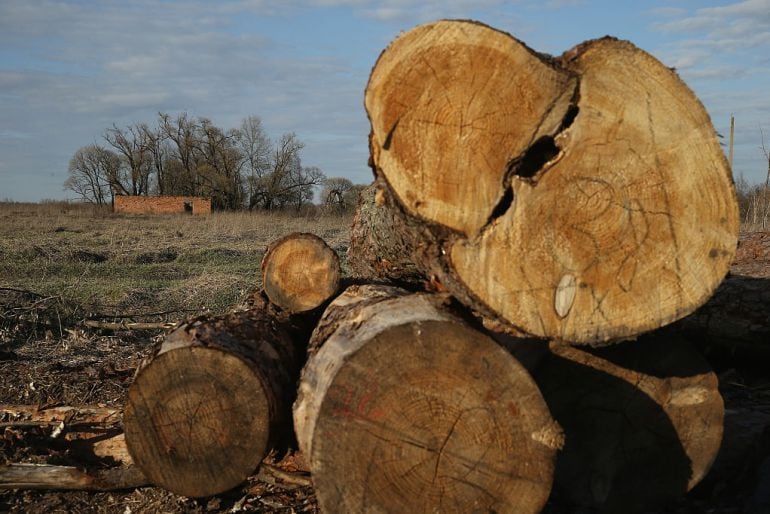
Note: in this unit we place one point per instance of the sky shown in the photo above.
(71, 69)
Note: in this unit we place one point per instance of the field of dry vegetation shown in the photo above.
(64, 264)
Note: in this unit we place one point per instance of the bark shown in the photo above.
(583, 198)
(404, 408)
(213, 398)
(643, 421)
(300, 272)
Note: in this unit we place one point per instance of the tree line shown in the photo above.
(187, 156)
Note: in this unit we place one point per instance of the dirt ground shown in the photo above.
(92, 368)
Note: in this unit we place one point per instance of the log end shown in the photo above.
(197, 421)
(300, 272)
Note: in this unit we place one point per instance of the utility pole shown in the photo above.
(732, 136)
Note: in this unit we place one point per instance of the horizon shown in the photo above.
(69, 70)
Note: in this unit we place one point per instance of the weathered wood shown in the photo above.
(405, 408)
(210, 402)
(643, 421)
(300, 272)
(47, 476)
(584, 198)
(36, 415)
(128, 325)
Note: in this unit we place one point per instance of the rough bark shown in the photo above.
(643, 421)
(300, 272)
(584, 198)
(214, 397)
(404, 408)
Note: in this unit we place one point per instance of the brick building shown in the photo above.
(162, 204)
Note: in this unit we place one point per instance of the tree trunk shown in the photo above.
(300, 272)
(643, 421)
(583, 198)
(212, 399)
(404, 408)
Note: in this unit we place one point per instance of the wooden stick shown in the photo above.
(47, 476)
(124, 325)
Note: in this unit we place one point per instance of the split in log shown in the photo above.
(404, 408)
(300, 272)
(210, 402)
(46, 476)
(583, 198)
(643, 421)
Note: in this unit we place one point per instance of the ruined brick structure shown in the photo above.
(162, 204)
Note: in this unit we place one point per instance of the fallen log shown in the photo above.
(47, 476)
(212, 399)
(403, 407)
(583, 198)
(643, 421)
(300, 272)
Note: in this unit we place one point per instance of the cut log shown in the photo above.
(300, 272)
(47, 476)
(643, 421)
(405, 408)
(210, 402)
(584, 198)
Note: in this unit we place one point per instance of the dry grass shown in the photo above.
(100, 263)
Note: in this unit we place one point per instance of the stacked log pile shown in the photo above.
(530, 220)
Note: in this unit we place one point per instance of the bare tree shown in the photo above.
(89, 173)
(256, 150)
(766, 200)
(131, 144)
(158, 150)
(334, 192)
(183, 134)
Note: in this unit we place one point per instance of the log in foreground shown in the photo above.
(405, 408)
(300, 272)
(583, 198)
(642, 420)
(210, 402)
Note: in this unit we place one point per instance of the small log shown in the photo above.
(47, 476)
(583, 198)
(405, 408)
(213, 398)
(300, 272)
(643, 421)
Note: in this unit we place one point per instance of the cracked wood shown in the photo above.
(599, 165)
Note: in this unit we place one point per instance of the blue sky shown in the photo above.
(70, 69)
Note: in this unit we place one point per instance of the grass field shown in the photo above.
(95, 264)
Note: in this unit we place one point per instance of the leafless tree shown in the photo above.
(89, 173)
(334, 192)
(131, 144)
(766, 199)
